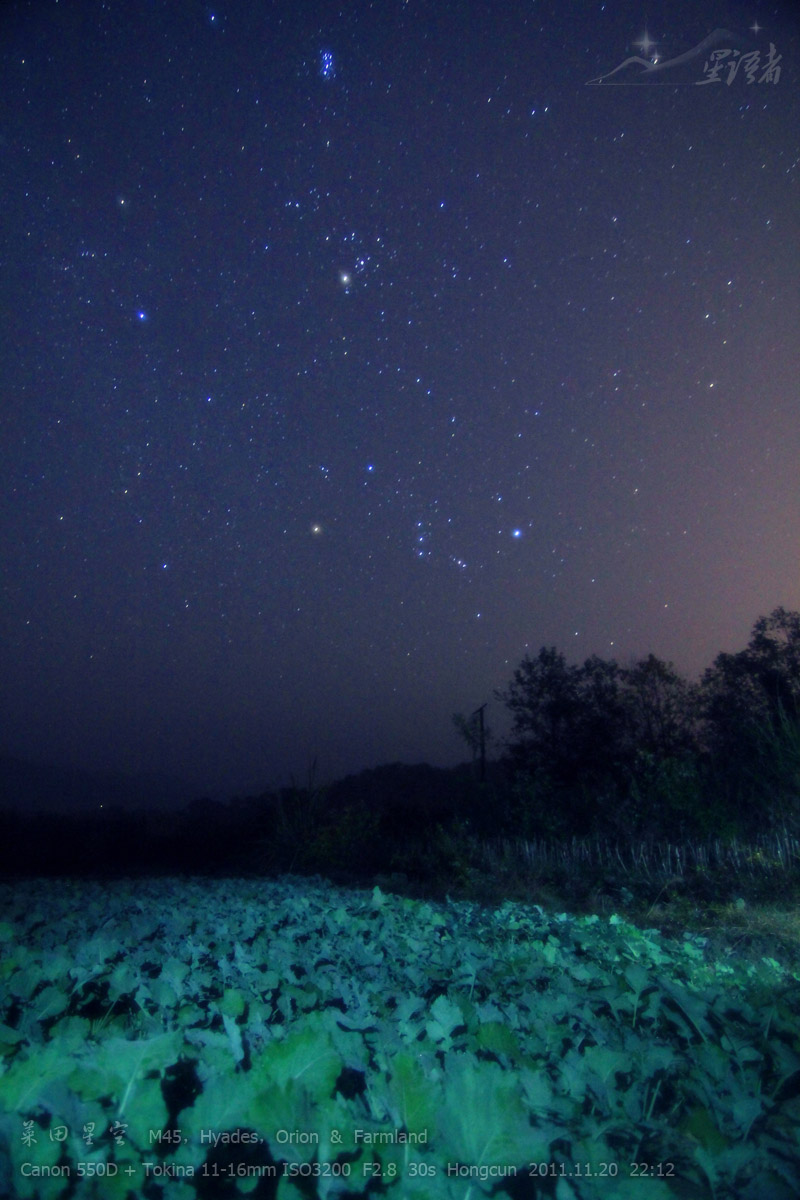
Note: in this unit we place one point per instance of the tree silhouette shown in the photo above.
(663, 709)
(570, 734)
(751, 709)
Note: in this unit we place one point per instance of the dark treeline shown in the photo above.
(595, 749)
(380, 819)
(640, 751)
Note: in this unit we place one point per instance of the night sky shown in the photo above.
(353, 351)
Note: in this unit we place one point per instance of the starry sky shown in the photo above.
(353, 351)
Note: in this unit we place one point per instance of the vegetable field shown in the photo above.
(190, 1038)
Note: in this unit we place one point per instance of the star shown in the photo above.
(756, 28)
(645, 43)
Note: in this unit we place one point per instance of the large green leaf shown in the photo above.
(404, 1097)
(306, 1056)
(28, 1077)
(483, 1121)
(123, 1064)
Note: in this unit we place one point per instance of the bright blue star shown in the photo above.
(141, 315)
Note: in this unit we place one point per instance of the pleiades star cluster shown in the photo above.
(353, 352)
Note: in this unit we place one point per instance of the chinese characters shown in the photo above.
(723, 66)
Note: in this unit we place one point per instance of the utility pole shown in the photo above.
(482, 741)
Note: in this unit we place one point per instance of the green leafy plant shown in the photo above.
(399, 1035)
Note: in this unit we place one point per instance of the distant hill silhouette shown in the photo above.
(57, 821)
(405, 791)
(37, 787)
